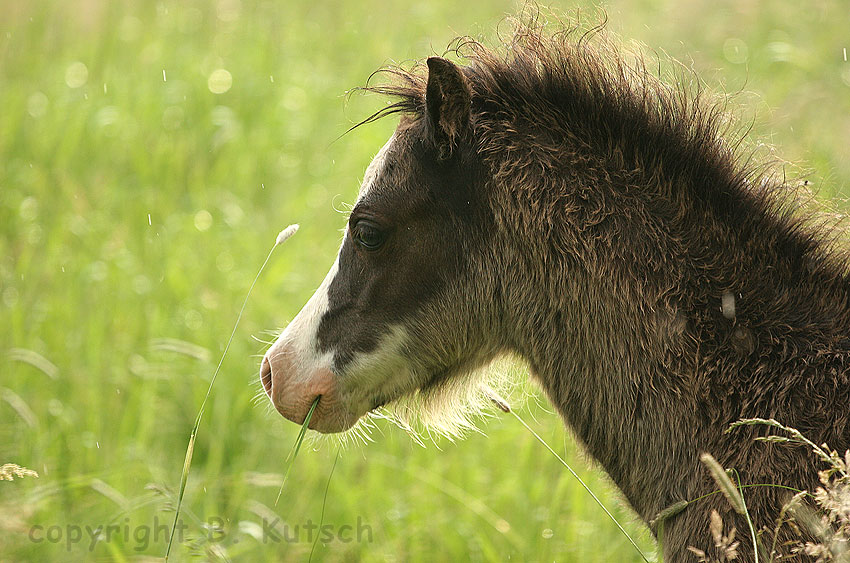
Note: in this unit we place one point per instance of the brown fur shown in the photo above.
(616, 217)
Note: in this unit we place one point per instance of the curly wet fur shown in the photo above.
(622, 214)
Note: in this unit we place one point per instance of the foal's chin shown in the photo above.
(334, 425)
(328, 418)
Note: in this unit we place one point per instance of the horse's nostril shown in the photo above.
(266, 376)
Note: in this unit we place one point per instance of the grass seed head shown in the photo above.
(9, 471)
(285, 234)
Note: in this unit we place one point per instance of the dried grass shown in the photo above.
(823, 514)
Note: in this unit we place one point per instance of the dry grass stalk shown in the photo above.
(725, 544)
(9, 471)
(826, 518)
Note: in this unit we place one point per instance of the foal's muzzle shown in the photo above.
(293, 389)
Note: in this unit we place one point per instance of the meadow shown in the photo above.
(150, 152)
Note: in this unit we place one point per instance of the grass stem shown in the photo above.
(586, 488)
(190, 449)
(293, 453)
(324, 502)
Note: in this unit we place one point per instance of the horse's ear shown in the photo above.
(447, 100)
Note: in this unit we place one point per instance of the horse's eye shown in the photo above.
(368, 235)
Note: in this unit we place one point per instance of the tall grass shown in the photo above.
(821, 515)
(190, 448)
(139, 187)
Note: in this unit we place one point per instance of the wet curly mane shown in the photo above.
(545, 102)
(624, 214)
(585, 143)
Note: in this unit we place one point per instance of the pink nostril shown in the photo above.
(293, 389)
(266, 376)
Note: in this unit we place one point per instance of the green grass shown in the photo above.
(136, 206)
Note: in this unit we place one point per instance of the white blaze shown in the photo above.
(300, 338)
(374, 168)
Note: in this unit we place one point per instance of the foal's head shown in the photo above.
(407, 306)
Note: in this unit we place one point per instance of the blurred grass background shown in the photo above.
(149, 154)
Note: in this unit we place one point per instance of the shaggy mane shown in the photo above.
(548, 102)
(577, 87)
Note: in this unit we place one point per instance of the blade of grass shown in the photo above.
(324, 502)
(503, 405)
(190, 449)
(586, 488)
(749, 519)
(293, 453)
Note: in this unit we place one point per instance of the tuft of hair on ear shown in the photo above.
(447, 101)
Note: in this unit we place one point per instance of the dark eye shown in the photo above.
(368, 235)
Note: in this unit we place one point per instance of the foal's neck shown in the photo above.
(612, 369)
(634, 313)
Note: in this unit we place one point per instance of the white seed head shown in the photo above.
(286, 233)
(496, 399)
